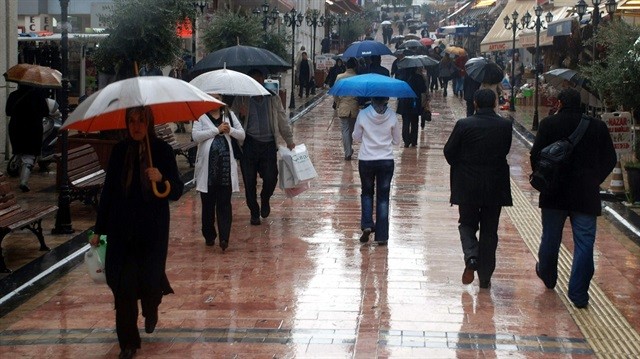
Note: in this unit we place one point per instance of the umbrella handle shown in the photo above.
(164, 194)
(154, 186)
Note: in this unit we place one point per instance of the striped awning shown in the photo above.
(629, 5)
(484, 3)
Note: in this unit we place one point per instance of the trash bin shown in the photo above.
(319, 77)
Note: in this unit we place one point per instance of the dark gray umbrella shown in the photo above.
(482, 70)
(242, 59)
(416, 61)
(411, 44)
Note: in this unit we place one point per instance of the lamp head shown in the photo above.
(538, 11)
(526, 18)
(265, 7)
(596, 3)
(549, 17)
(581, 8)
(611, 6)
(506, 21)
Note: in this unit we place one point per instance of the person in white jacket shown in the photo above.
(216, 170)
(378, 129)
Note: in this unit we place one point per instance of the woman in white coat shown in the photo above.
(216, 171)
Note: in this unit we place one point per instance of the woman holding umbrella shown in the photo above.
(216, 170)
(136, 223)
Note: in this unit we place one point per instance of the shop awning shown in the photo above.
(456, 30)
(456, 13)
(283, 5)
(499, 38)
(478, 11)
(343, 6)
(484, 3)
(629, 5)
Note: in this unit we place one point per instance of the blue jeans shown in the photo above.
(583, 227)
(376, 173)
(458, 84)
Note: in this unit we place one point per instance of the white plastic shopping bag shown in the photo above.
(298, 162)
(95, 265)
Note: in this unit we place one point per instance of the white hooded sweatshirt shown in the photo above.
(379, 133)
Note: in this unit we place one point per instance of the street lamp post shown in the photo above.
(202, 4)
(314, 19)
(581, 9)
(293, 19)
(537, 25)
(512, 24)
(268, 18)
(329, 21)
(63, 215)
(483, 24)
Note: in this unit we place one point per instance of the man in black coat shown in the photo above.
(578, 198)
(477, 151)
(376, 68)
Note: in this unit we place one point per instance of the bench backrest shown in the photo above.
(8, 201)
(165, 133)
(82, 161)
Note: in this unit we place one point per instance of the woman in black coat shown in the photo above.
(411, 108)
(26, 106)
(136, 223)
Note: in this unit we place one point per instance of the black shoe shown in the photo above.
(406, 145)
(209, 242)
(347, 158)
(470, 267)
(265, 209)
(364, 238)
(485, 283)
(382, 243)
(255, 221)
(581, 306)
(127, 353)
(24, 188)
(224, 245)
(150, 323)
(539, 276)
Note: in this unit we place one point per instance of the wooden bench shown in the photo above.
(165, 133)
(86, 176)
(14, 217)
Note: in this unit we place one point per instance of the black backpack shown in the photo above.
(549, 169)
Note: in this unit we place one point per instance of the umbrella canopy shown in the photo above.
(411, 44)
(482, 70)
(566, 78)
(417, 61)
(386, 22)
(455, 50)
(170, 100)
(366, 48)
(34, 75)
(396, 38)
(426, 41)
(372, 85)
(241, 58)
(411, 37)
(557, 78)
(229, 82)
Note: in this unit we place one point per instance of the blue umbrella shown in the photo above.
(371, 85)
(366, 48)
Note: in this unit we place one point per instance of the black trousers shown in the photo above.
(471, 108)
(216, 202)
(259, 158)
(305, 85)
(410, 129)
(132, 286)
(485, 218)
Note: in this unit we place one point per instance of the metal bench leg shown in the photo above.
(3, 266)
(36, 228)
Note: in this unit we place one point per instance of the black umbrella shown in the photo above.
(411, 44)
(482, 70)
(241, 58)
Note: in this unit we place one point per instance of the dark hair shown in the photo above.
(376, 59)
(570, 98)
(352, 63)
(147, 114)
(254, 72)
(484, 98)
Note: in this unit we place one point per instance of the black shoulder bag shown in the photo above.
(548, 171)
